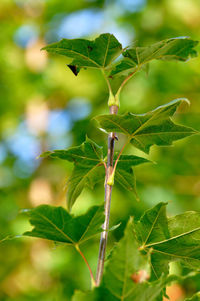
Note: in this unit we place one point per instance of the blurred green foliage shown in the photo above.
(44, 106)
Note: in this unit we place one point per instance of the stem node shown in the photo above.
(113, 100)
(111, 179)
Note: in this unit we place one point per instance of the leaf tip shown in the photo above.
(102, 130)
(114, 227)
(137, 197)
(43, 48)
(44, 154)
(185, 100)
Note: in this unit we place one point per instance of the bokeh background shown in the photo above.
(43, 106)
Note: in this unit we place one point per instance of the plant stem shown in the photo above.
(89, 268)
(107, 201)
(127, 79)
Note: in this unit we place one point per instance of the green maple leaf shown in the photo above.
(102, 52)
(135, 58)
(124, 261)
(143, 291)
(169, 239)
(145, 130)
(117, 283)
(94, 54)
(88, 167)
(56, 224)
(180, 48)
(124, 174)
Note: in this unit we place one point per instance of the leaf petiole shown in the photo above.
(112, 176)
(93, 282)
(126, 80)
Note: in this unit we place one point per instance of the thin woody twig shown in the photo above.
(108, 192)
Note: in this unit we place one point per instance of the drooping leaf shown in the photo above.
(81, 177)
(124, 174)
(94, 54)
(145, 130)
(176, 238)
(56, 224)
(118, 281)
(88, 169)
(196, 297)
(181, 49)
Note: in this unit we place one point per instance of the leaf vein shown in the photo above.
(59, 230)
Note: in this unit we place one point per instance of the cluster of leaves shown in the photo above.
(151, 243)
(90, 168)
(142, 131)
(148, 245)
(105, 49)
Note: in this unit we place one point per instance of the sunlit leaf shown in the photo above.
(95, 54)
(176, 238)
(181, 49)
(56, 224)
(145, 130)
(88, 169)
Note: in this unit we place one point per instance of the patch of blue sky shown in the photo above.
(91, 22)
(131, 5)
(22, 144)
(59, 122)
(124, 34)
(79, 108)
(80, 23)
(26, 35)
(59, 141)
(24, 168)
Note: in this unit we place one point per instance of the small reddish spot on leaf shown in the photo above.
(140, 276)
(90, 48)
